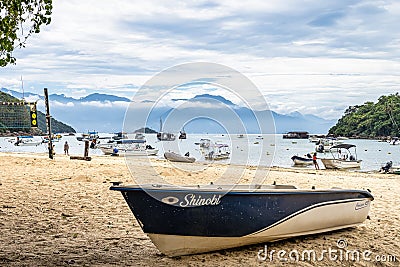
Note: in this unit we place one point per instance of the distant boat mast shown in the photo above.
(22, 87)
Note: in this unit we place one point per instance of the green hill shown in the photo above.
(145, 130)
(370, 120)
(57, 126)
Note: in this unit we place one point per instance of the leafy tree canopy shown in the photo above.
(371, 119)
(19, 19)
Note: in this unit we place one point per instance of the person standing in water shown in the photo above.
(314, 159)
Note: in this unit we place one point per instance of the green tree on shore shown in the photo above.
(371, 119)
(19, 19)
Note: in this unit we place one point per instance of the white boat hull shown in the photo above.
(341, 164)
(302, 162)
(319, 218)
(146, 152)
(178, 158)
(29, 143)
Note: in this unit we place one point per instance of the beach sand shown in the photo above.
(61, 212)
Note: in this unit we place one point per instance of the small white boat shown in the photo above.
(341, 160)
(324, 144)
(128, 147)
(394, 141)
(303, 161)
(182, 134)
(172, 156)
(89, 136)
(140, 136)
(341, 164)
(27, 141)
(197, 219)
(165, 136)
(214, 150)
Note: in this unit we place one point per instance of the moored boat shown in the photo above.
(140, 136)
(324, 144)
(89, 136)
(214, 150)
(128, 147)
(119, 136)
(304, 161)
(27, 140)
(296, 135)
(172, 156)
(342, 160)
(182, 134)
(196, 219)
(165, 136)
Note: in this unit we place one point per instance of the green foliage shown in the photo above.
(19, 19)
(145, 130)
(56, 126)
(371, 120)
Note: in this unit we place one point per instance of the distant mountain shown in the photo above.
(106, 113)
(65, 99)
(204, 98)
(103, 97)
(145, 130)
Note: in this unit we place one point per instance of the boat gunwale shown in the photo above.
(240, 191)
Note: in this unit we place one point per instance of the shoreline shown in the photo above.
(61, 212)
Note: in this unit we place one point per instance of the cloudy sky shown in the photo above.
(311, 56)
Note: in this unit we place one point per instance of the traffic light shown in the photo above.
(33, 115)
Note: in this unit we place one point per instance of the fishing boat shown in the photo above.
(296, 135)
(303, 161)
(324, 144)
(172, 156)
(214, 150)
(119, 136)
(394, 141)
(197, 219)
(89, 136)
(164, 136)
(27, 140)
(182, 134)
(54, 138)
(316, 137)
(342, 159)
(128, 147)
(140, 136)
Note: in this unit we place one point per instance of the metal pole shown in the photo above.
(48, 122)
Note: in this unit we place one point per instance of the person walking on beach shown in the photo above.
(314, 159)
(66, 148)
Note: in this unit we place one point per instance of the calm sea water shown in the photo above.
(251, 150)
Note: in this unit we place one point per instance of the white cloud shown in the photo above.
(302, 55)
(59, 104)
(105, 104)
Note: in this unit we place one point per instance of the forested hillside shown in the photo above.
(57, 126)
(370, 119)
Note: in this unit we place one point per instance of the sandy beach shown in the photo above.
(61, 212)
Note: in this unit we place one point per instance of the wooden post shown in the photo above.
(86, 153)
(48, 122)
